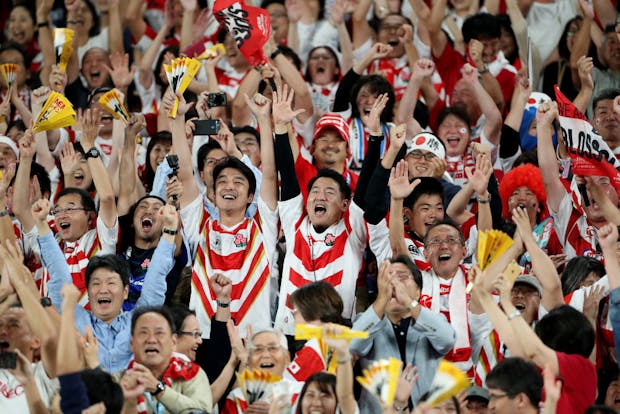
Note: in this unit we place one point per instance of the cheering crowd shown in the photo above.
(186, 185)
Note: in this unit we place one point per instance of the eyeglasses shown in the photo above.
(418, 155)
(493, 396)
(272, 349)
(195, 335)
(438, 242)
(68, 210)
(211, 162)
(524, 291)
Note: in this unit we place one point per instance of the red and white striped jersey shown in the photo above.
(576, 234)
(314, 357)
(334, 256)
(99, 241)
(244, 253)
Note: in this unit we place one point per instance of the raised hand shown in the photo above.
(70, 295)
(470, 73)
(236, 343)
(259, 105)
(479, 179)
(222, 287)
(167, 103)
(40, 95)
(174, 191)
(23, 369)
(406, 381)
(341, 346)
(189, 5)
(585, 66)
(57, 79)
(337, 10)
(398, 136)
(547, 112)
(406, 34)
(608, 237)
(131, 385)
(119, 71)
(7, 177)
(475, 51)
(422, 68)
(69, 159)
(282, 106)
(384, 284)
(89, 347)
(136, 124)
(372, 121)
(522, 220)
(27, 146)
(378, 51)
(504, 286)
(40, 209)
(591, 301)
(399, 184)
(91, 123)
(170, 217)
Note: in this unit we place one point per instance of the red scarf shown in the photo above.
(179, 368)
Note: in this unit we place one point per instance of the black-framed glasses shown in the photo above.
(418, 155)
(195, 335)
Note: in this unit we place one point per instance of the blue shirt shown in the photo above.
(114, 337)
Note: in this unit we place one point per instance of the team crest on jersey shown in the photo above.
(216, 244)
(145, 264)
(330, 239)
(413, 249)
(240, 240)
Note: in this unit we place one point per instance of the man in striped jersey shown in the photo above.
(238, 247)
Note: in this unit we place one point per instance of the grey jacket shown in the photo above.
(428, 340)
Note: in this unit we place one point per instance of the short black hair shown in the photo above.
(566, 330)
(427, 186)
(331, 52)
(19, 48)
(605, 94)
(160, 310)
(203, 152)
(515, 376)
(481, 25)
(110, 262)
(101, 387)
(445, 222)
(174, 49)
(577, 269)
(87, 201)
(406, 260)
(234, 163)
(37, 170)
(457, 111)
(160, 137)
(246, 129)
(599, 409)
(377, 85)
(345, 189)
(265, 3)
(179, 313)
(318, 301)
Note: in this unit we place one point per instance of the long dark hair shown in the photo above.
(324, 381)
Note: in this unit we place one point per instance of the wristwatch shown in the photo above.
(92, 153)
(160, 388)
(46, 302)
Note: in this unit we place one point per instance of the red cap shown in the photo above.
(332, 121)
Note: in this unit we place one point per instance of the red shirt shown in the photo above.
(579, 383)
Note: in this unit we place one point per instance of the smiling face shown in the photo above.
(318, 401)
(213, 158)
(107, 120)
(607, 122)
(267, 354)
(15, 333)
(527, 300)
(232, 190)
(106, 294)
(152, 341)
(444, 250)
(71, 218)
(593, 211)
(490, 48)
(454, 133)
(94, 67)
(82, 178)
(419, 163)
(188, 344)
(390, 31)
(21, 75)
(525, 198)
(427, 210)
(248, 145)
(147, 223)
(21, 27)
(83, 17)
(611, 51)
(612, 396)
(325, 203)
(322, 66)
(463, 96)
(329, 150)
(365, 100)
(158, 153)
(7, 156)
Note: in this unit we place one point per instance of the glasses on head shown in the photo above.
(68, 210)
(438, 242)
(195, 335)
(418, 155)
(272, 349)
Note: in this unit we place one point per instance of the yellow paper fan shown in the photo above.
(212, 52)
(491, 245)
(9, 71)
(255, 384)
(305, 332)
(381, 378)
(180, 73)
(448, 381)
(57, 112)
(112, 102)
(63, 47)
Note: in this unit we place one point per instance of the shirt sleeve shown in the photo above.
(191, 216)
(154, 288)
(108, 237)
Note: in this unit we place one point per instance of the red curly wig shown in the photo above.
(527, 175)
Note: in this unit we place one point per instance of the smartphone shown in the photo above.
(8, 360)
(206, 127)
(216, 99)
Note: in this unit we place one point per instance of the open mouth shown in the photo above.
(78, 176)
(267, 365)
(147, 223)
(151, 351)
(444, 257)
(520, 307)
(95, 75)
(229, 196)
(64, 225)
(320, 210)
(393, 43)
(4, 346)
(321, 69)
(104, 301)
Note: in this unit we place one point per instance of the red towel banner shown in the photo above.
(590, 154)
(249, 25)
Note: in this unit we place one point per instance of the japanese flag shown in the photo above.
(250, 26)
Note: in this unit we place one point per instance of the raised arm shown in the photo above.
(7, 231)
(130, 188)
(488, 105)
(68, 357)
(180, 147)
(585, 66)
(115, 27)
(21, 187)
(145, 74)
(608, 239)
(90, 121)
(581, 44)
(478, 183)
(400, 188)
(542, 265)
(546, 115)
(421, 70)
(361, 29)
(439, 40)
(344, 372)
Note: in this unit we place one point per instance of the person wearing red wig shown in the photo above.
(523, 187)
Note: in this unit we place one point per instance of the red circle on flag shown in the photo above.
(421, 140)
